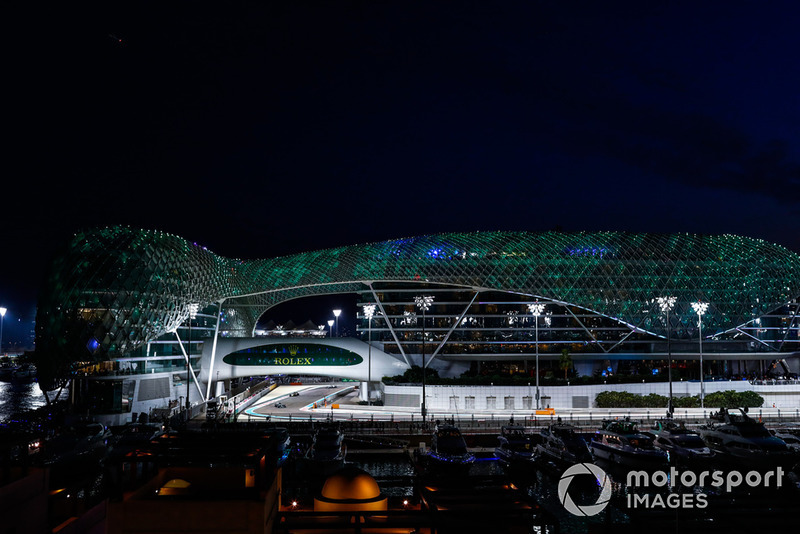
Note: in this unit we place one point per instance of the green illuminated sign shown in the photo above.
(300, 354)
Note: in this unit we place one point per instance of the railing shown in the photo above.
(491, 424)
(776, 382)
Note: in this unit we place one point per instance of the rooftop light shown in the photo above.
(666, 303)
(424, 302)
(700, 307)
(536, 308)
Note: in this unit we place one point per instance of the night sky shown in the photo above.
(261, 129)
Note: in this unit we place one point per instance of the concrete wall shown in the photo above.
(564, 397)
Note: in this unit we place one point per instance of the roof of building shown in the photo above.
(115, 288)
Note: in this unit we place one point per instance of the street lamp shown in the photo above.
(193, 309)
(336, 314)
(369, 311)
(536, 310)
(666, 304)
(423, 303)
(2, 317)
(330, 327)
(700, 309)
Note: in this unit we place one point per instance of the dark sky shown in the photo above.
(265, 128)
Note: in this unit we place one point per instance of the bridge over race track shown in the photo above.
(334, 357)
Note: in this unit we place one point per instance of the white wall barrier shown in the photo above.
(493, 398)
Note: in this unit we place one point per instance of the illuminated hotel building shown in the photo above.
(128, 295)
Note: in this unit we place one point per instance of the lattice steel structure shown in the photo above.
(115, 288)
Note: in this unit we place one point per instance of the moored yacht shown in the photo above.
(737, 439)
(448, 452)
(7, 367)
(76, 449)
(789, 435)
(514, 446)
(132, 436)
(562, 444)
(622, 442)
(24, 373)
(683, 445)
(327, 451)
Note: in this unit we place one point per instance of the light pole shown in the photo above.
(423, 303)
(330, 327)
(529, 391)
(536, 310)
(369, 311)
(2, 317)
(700, 309)
(666, 304)
(193, 308)
(336, 314)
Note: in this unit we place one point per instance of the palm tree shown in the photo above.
(565, 362)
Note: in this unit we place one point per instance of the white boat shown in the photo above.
(621, 442)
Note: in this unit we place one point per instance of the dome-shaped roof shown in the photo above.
(351, 483)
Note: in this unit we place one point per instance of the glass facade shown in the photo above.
(494, 324)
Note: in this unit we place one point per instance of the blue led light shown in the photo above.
(588, 251)
(92, 345)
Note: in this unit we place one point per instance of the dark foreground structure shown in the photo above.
(234, 478)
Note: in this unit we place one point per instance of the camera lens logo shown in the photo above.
(588, 509)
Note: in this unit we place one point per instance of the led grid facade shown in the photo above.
(116, 288)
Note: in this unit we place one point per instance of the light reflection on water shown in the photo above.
(386, 466)
(543, 487)
(16, 398)
(395, 465)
